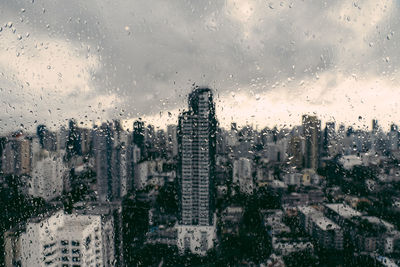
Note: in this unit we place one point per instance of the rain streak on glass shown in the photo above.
(199, 133)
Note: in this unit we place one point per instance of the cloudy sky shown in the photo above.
(268, 61)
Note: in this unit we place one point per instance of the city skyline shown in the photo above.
(199, 193)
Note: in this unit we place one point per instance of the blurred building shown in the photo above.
(243, 176)
(16, 158)
(47, 177)
(311, 133)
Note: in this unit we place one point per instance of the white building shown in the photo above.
(323, 230)
(242, 175)
(63, 240)
(47, 176)
(141, 175)
(197, 239)
(350, 161)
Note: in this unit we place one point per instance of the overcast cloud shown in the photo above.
(268, 61)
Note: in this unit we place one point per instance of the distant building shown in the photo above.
(141, 175)
(311, 133)
(243, 176)
(329, 139)
(16, 158)
(349, 161)
(230, 220)
(172, 140)
(47, 177)
(327, 233)
(295, 151)
(102, 150)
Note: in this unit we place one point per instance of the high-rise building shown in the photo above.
(172, 140)
(329, 138)
(296, 151)
(242, 175)
(73, 144)
(138, 135)
(16, 158)
(197, 149)
(113, 161)
(311, 133)
(102, 150)
(47, 177)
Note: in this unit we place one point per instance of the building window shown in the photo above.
(87, 242)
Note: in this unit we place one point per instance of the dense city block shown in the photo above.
(198, 194)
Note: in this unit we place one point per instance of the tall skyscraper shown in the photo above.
(102, 150)
(16, 158)
(138, 135)
(172, 141)
(197, 149)
(311, 133)
(73, 146)
(329, 137)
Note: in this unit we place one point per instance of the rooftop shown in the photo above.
(343, 210)
(325, 223)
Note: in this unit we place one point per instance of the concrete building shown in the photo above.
(230, 220)
(102, 150)
(47, 177)
(323, 230)
(311, 133)
(141, 175)
(196, 170)
(111, 228)
(243, 176)
(295, 150)
(63, 240)
(172, 140)
(16, 158)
